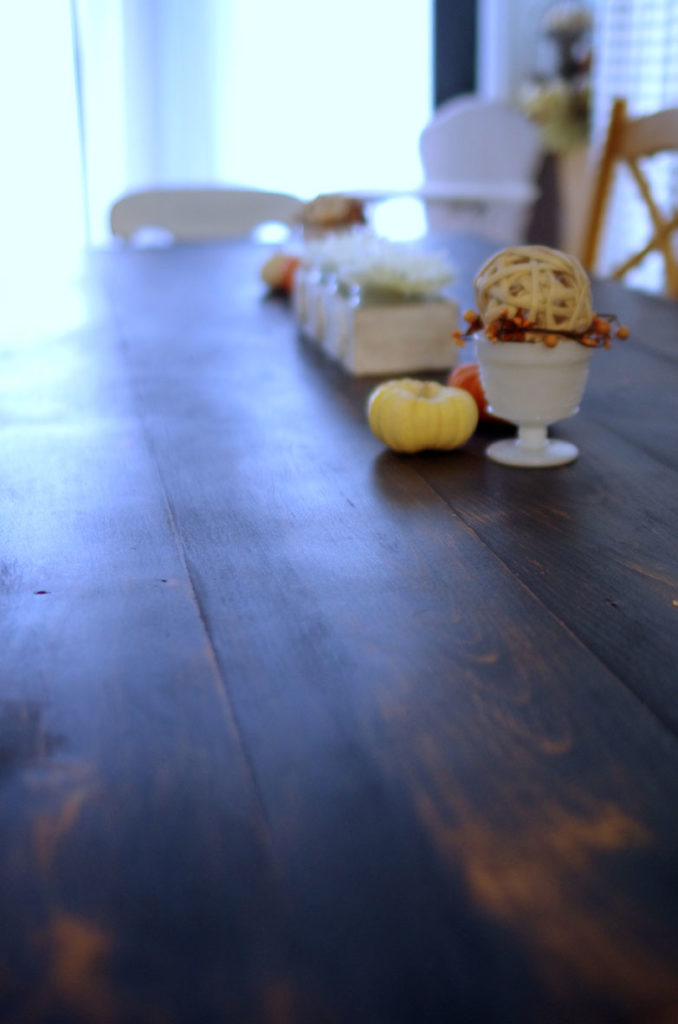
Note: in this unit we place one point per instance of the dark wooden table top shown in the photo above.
(294, 729)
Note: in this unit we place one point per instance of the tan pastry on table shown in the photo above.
(331, 213)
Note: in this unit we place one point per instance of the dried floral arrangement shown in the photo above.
(560, 102)
(533, 293)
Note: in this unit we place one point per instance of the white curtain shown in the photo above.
(41, 204)
(103, 96)
(636, 57)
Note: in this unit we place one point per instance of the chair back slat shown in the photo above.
(201, 214)
(646, 136)
(628, 142)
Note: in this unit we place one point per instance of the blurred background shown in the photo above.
(103, 96)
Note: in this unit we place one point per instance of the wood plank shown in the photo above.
(595, 541)
(555, 538)
(402, 707)
(450, 776)
(128, 812)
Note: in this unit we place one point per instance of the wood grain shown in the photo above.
(123, 778)
(293, 729)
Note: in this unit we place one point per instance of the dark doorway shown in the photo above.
(454, 52)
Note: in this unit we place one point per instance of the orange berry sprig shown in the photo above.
(474, 323)
(514, 328)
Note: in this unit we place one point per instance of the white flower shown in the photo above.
(403, 269)
(362, 258)
(337, 249)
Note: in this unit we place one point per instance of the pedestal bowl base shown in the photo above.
(550, 453)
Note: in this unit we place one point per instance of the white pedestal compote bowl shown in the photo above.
(535, 333)
(533, 386)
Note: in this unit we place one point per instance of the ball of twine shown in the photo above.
(548, 286)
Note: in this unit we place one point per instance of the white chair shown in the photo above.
(481, 159)
(201, 214)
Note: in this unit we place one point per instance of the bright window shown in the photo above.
(306, 96)
(636, 57)
(41, 206)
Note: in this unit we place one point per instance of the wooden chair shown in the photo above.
(627, 142)
(201, 214)
(480, 159)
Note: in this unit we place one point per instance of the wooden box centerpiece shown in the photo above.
(376, 306)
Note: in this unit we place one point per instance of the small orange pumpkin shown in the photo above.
(278, 272)
(467, 376)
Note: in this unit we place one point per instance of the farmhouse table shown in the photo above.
(296, 729)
